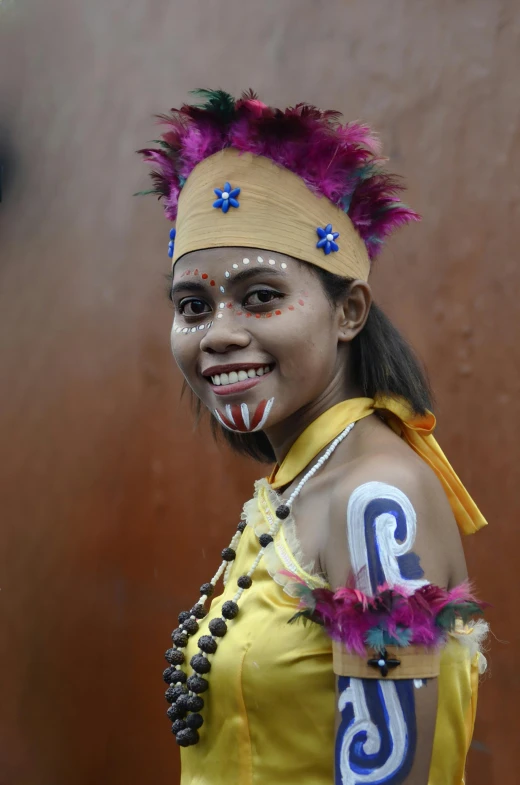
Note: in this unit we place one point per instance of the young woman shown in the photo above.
(357, 529)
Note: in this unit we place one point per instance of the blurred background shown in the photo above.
(113, 507)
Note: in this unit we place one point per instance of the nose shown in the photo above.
(224, 335)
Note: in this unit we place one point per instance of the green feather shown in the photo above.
(375, 638)
(448, 616)
(217, 101)
(304, 616)
(401, 638)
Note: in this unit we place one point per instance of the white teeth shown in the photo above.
(241, 376)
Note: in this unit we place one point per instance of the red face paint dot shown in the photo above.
(239, 313)
(229, 305)
(301, 302)
(291, 307)
(187, 272)
(248, 315)
(195, 272)
(268, 315)
(278, 313)
(258, 315)
(212, 283)
(204, 275)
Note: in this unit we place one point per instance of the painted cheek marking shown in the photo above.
(300, 302)
(278, 313)
(204, 275)
(185, 330)
(229, 305)
(291, 307)
(245, 261)
(283, 266)
(222, 289)
(212, 283)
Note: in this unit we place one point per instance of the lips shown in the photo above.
(237, 387)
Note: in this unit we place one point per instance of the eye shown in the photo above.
(193, 307)
(261, 297)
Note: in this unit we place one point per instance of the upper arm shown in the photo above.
(389, 526)
(392, 524)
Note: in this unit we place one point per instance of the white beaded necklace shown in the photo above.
(184, 692)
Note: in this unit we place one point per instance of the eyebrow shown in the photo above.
(243, 275)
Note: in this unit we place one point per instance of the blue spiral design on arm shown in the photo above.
(390, 728)
(409, 563)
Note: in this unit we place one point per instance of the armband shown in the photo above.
(393, 634)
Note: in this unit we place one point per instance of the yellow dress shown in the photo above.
(270, 708)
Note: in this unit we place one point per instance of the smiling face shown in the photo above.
(254, 335)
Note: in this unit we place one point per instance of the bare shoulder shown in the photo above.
(391, 505)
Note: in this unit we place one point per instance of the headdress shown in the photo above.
(296, 181)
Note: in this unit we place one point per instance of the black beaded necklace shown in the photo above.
(184, 692)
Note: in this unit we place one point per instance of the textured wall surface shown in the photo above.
(113, 509)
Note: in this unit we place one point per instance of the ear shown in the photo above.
(353, 311)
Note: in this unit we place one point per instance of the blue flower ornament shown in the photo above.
(171, 244)
(327, 239)
(226, 196)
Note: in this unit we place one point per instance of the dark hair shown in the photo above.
(381, 363)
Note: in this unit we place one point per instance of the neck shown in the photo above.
(283, 435)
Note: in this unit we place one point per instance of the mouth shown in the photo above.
(238, 379)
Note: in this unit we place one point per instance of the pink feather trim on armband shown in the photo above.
(392, 617)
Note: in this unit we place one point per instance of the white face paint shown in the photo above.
(238, 418)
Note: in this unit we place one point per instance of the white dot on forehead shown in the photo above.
(227, 274)
(272, 261)
(259, 259)
(283, 266)
(235, 267)
(219, 316)
(222, 289)
(245, 261)
(221, 305)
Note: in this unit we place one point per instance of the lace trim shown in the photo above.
(285, 552)
(473, 637)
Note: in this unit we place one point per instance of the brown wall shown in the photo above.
(113, 509)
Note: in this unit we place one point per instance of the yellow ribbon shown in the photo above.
(415, 429)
